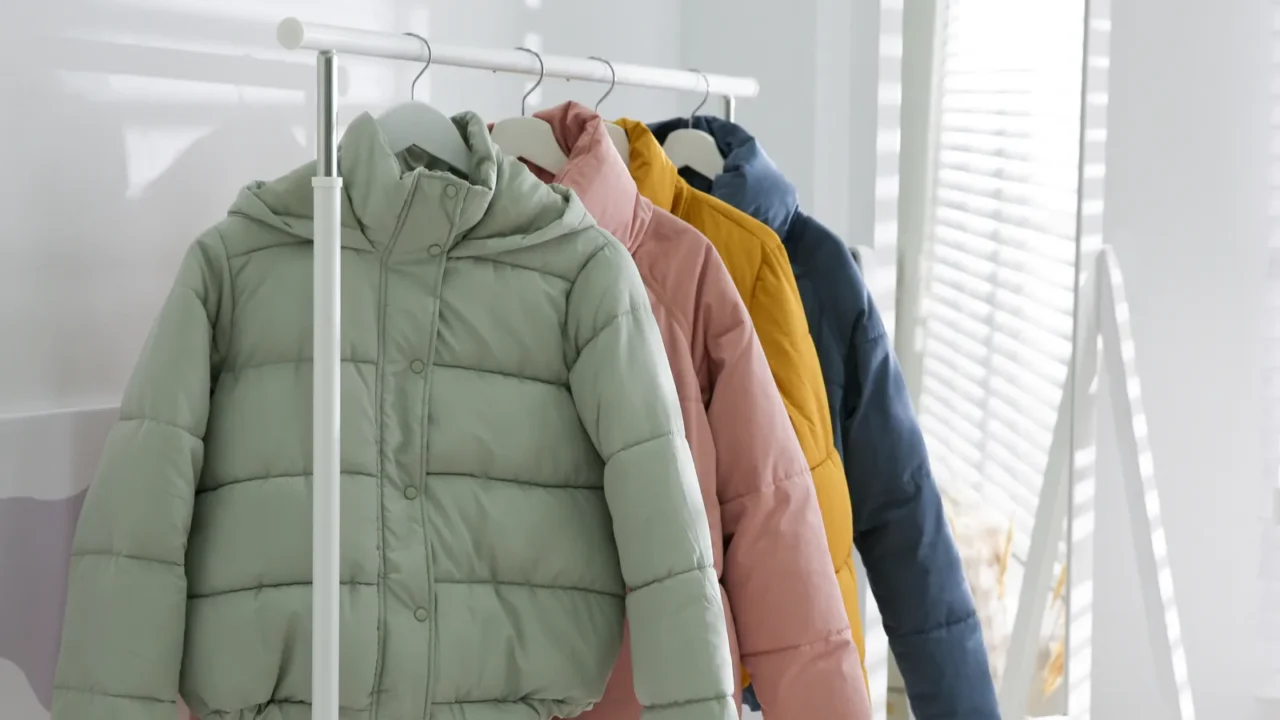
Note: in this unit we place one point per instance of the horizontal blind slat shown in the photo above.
(1000, 273)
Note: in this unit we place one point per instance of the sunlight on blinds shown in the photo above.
(997, 298)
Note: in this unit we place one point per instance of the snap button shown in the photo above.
(420, 614)
(450, 190)
(411, 492)
(434, 250)
(416, 366)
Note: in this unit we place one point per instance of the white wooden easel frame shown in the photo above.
(1067, 494)
(1069, 482)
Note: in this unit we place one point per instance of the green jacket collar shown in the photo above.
(500, 200)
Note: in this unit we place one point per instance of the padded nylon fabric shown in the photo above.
(782, 602)
(758, 265)
(900, 528)
(513, 460)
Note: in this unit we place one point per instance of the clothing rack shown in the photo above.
(328, 42)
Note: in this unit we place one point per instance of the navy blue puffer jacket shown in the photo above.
(899, 527)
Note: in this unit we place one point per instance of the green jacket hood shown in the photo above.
(504, 201)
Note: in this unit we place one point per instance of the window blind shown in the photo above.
(997, 290)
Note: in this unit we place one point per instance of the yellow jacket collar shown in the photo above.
(656, 176)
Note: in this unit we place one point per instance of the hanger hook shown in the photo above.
(542, 72)
(613, 80)
(414, 86)
(705, 96)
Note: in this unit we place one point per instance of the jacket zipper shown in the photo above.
(434, 650)
(382, 331)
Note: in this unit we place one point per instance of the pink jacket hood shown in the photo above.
(787, 623)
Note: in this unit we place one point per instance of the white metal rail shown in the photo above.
(295, 34)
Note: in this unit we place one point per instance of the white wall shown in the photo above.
(1186, 211)
(128, 126)
(144, 117)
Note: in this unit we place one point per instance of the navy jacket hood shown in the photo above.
(900, 528)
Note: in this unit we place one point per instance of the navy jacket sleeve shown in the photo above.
(902, 534)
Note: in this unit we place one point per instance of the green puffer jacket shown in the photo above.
(512, 453)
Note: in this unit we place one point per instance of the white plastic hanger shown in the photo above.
(695, 149)
(530, 138)
(620, 141)
(417, 123)
(616, 134)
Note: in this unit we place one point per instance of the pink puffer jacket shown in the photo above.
(786, 619)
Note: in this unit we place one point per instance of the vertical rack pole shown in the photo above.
(730, 106)
(326, 390)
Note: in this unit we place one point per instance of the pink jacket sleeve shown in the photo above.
(792, 629)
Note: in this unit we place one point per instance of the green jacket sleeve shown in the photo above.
(127, 590)
(626, 397)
